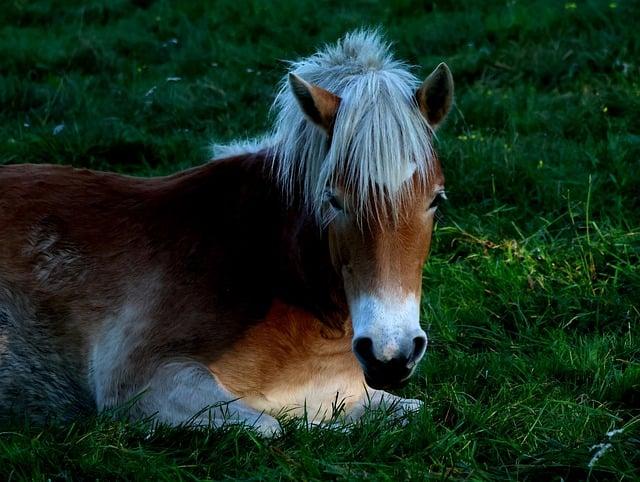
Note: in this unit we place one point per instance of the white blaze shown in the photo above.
(394, 184)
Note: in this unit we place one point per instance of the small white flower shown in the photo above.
(602, 449)
(615, 432)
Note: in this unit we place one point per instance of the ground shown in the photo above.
(531, 295)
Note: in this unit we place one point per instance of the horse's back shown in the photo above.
(56, 222)
(34, 190)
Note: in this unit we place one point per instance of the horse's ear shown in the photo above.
(435, 95)
(319, 105)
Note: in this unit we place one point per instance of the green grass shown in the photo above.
(532, 292)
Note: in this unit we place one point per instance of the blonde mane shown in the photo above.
(379, 139)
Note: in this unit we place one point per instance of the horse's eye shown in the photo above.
(438, 200)
(335, 202)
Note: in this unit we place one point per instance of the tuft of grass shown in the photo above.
(531, 295)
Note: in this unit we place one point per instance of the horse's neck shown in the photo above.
(265, 233)
(308, 277)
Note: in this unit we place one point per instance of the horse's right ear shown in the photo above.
(319, 105)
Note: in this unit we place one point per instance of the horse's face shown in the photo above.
(381, 264)
(379, 257)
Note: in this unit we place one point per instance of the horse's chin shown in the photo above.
(384, 383)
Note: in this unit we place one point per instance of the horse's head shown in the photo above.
(379, 222)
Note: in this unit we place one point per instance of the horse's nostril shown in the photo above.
(419, 347)
(363, 348)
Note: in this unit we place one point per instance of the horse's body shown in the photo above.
(217, 284)
(108, 275)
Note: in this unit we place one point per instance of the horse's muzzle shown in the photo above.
(387, 379)
(392, 373)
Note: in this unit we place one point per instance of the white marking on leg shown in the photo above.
(188, 393)
(110, 352)
(381, 400)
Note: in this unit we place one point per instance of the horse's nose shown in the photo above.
(419, 347)
(394, 365)
(363, 348)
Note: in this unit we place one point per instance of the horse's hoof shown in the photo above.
(410, 405)
(268, 427)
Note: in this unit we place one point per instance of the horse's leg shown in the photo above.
(187, 393)
(39, 372)
(380, 400)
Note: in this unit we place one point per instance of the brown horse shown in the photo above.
(284, 275)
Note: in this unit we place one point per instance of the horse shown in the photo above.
(282, 277)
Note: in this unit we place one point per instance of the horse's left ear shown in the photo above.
(435, 95)
(319, 105)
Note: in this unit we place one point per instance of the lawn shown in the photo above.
(532, 292)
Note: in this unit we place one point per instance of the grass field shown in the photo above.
(532, 292)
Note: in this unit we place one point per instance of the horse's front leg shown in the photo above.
(373, 399)
(187, 393)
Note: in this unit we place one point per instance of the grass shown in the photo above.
(532, 292)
